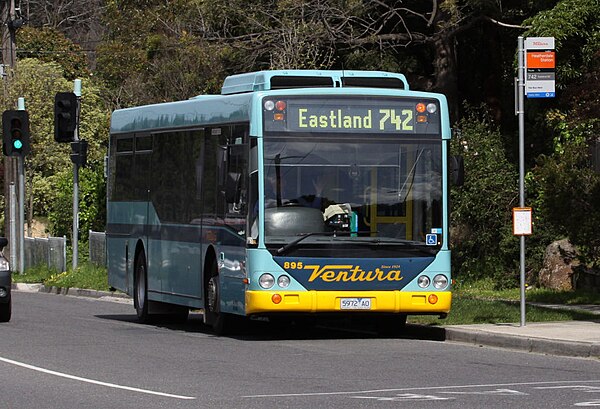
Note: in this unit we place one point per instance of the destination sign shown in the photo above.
(353, 115)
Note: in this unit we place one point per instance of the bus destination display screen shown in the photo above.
(351, 115)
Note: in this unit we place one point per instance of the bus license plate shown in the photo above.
(355, 303)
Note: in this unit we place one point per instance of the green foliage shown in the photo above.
(483, 245)
(49, 45)
(35, 274)
(38, 82)
(575, 25)
(92, 205)
(467, 311)
(87, 276)
(567, 193)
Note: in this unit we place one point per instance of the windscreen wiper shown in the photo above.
(407, 244)
(334, 233)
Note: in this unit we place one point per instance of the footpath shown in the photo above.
(565, 338)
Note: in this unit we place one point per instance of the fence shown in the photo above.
(52, 251)
(97, 246)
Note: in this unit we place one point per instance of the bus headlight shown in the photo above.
(423, 281)
(440, 281)
(3, 292)
(283, 281)
(266, 281)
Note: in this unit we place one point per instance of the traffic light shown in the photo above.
(65, 116)
(79, 152)
(15, 132)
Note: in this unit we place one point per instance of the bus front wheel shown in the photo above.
(220, 321)
(140, 295)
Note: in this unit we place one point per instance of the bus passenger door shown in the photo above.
(233, 211)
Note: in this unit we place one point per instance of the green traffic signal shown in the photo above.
(15, 129)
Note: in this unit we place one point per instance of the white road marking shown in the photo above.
(403, 397)
(428, 388)
(80, 379)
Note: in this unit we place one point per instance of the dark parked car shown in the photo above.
(5, 283)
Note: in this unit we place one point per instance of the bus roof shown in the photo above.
(234, 103)
(285, 79)
(204, 109)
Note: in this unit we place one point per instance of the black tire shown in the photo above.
(140, 292)
(391, 326)
(6, 310)
(222, 323)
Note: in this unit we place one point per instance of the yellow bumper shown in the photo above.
(258, 302)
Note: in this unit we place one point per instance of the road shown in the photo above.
(68, 352)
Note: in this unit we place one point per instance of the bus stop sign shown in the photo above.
(540, 67)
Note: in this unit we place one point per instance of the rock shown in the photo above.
(560, 263)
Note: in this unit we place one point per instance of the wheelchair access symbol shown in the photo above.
(431, 239)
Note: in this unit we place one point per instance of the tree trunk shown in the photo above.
(445, 72)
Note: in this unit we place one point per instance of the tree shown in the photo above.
(48, 45)
(483, 245)
(38, 82)
(416, 37)
(564, 187)
(78, 20)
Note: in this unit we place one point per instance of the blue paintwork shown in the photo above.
(350, 274)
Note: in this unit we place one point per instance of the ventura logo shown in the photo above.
(351, 273)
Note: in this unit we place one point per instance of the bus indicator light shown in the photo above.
(278, 117)
(421, 119)
(433, 299)
(420, 107)
(276, 298)
(280, 105)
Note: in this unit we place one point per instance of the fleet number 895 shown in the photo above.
(292, 265)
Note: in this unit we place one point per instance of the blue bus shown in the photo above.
(291, 194)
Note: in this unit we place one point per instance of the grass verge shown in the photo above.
(480, 303)
(87, 275)
(466, 311)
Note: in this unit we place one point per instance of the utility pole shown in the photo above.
(77, 92)
(9, 58)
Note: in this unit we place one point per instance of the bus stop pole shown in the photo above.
(521, 114)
